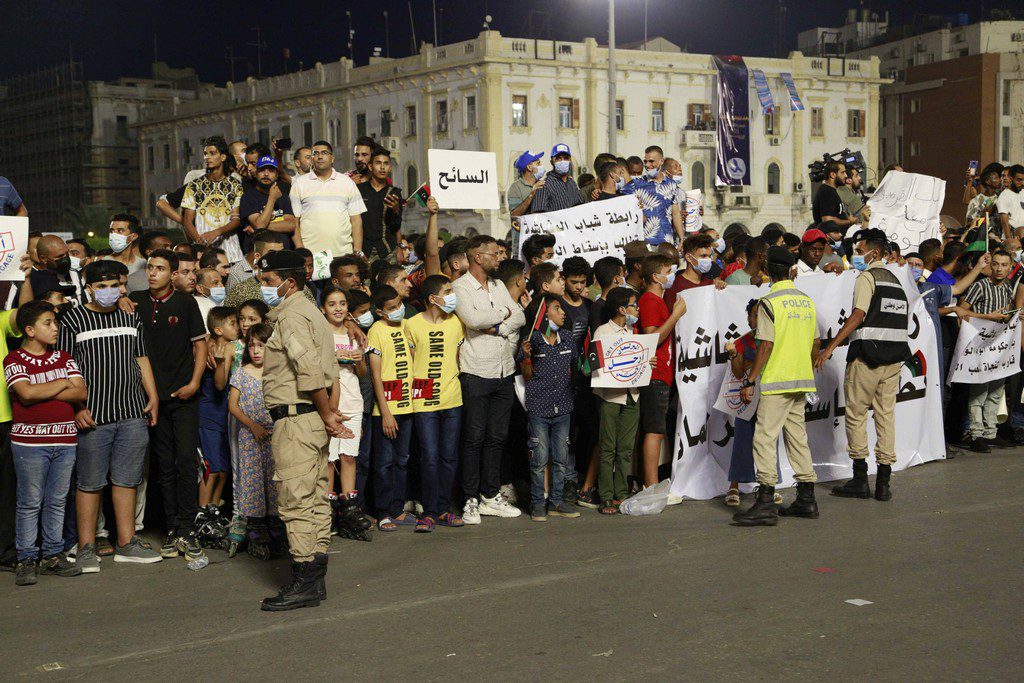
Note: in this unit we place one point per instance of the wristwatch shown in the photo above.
(746, 383)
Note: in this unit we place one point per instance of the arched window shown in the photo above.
(697, 176)
(774, 179)
(411, 180)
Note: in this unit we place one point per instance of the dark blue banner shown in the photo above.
(732, 165)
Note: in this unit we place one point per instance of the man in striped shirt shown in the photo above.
(559, 190)
(108, 345)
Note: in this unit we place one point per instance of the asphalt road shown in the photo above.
(679, 596)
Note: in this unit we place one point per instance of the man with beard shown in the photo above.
(361, 153)
(851, 195)
(303, 160)
(125, 232)
(54, 272)
(264, 206)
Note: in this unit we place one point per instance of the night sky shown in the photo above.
(115, 39)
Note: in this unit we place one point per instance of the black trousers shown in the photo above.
(486, 407)
(174, 445)
(8, 496)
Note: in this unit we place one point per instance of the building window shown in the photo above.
(620, 116)
(774, 179)
(1006, 98)
(167, 155)
(915, 149)
(385, 123)
(410, 120)
(360, 125)
(817, 121)
(286, 131)
(899, 149)
(855, 119)
(186, 151)
(442, 117)
(657, 116)
(122, 127)
(307, 133)
(470, 107)
(697, 116)
(885, 151)
(519, 118)
(697, 176)
(412, 182)
(915, 105)
(882, 108)
(1006, 143)
(771, 122)
(263, 135)
(331, 133)
(150, 158)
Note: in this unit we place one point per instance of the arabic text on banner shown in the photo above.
(627, 361)
(13, 245)
(704, 436)
(986, 350)
(463, 180)
(592, 230)
(906, 207)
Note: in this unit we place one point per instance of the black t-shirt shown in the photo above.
(378, 223)
(175, 198)
(606, 195)
(597, 314)
(44, 281)
(827, 203)
(577, 318)
(171, 325)
(252, 202)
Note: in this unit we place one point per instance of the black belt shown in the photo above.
(281, 412)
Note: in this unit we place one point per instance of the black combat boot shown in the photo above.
(764, 511)
(858, 486)
(301, 591)
(320, 560)
(882, 491)
(804, 505)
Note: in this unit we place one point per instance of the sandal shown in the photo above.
(424, 525)
(406, 519)
(609, 509)
(732, 498)
(385, 524)
(450, 519)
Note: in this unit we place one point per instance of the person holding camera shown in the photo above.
(828, 205)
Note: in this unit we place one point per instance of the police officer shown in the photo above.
(787, 339)
(879, 346)
(299, 370)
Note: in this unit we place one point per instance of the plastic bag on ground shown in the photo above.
(650, 501)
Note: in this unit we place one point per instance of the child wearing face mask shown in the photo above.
(350, 520)
(391, 367)
(435, 336)
(698, 253)
(359, 309)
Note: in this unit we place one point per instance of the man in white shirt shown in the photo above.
(1010, 204)
(327, 205)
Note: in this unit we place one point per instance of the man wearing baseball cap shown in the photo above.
(879, 346)
(812, 248)
(265, 206)
(521, 193)
(560, 190)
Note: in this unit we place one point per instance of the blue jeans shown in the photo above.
(549, 436)
(44, 475)
(391, 465)
(438, 432)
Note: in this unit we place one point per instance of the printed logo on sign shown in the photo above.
(6, 249)
(894, 306)
(625, 360)
(736, 168)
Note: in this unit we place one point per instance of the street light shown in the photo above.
(611, 77)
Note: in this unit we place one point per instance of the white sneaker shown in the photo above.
(508, 492)
(498, 507)
(471, 512)
(673, 500)
(413, 506)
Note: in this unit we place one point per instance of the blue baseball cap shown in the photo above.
(560, 148)
(266, 160)
(525, 159)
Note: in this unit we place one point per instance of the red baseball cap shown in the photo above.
(813, 235)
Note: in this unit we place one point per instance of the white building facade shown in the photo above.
(507, 95)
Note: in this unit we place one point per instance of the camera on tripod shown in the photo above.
(850, 159)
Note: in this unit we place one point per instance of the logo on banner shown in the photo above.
(6, 249)
(736, 168)
(625, 360)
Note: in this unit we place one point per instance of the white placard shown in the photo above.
(322, 265)
(906, 207)
(13, 245)
(704, 436)
(592, 230)
(463, 180)
(627, 361)
(986, 350)
(729, 401)
(693, 220)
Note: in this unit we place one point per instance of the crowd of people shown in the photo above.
(271, 397)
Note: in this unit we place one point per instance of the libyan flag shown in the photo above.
(917, 365)
(422, 194)
(980, 245)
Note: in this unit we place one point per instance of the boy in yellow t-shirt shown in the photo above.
(391, 366)
(435, 336)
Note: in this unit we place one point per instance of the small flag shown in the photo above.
(593, 355)
(542, 316)
(917, 365)
(422, 194)
(979, 245)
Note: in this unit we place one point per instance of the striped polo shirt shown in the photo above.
(106, 346)
(324, 208)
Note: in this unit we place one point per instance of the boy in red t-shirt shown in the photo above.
(43, 384)
(655, 318)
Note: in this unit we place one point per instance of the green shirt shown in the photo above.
(7, 329)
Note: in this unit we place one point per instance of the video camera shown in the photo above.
(851, 159)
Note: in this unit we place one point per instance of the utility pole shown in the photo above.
(351, 35)
(611, 77)
(229, 57)
(433, 18)
(412, 25)
(387, 36)
(259, 45)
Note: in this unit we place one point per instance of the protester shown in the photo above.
(755, 251)
(382, 220)
(827, 204)
(657, 193)
(222, 325)
(265, 205)
(211, 202)
(328, 206)
(559, 190)
(1010, 204)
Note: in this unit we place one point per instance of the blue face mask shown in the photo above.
(539, 173)
(703, 265)
(562, 167)
(670, 280)
(271, 296)
(651, 172)
(631, 320)
(554, 327)
(916, 274)
(118, 242)
(107, 296)
(449, 303)
(858, 262)
(364, 320)
(218, 294)
(677, 179)
(397, 315)
(620, 183)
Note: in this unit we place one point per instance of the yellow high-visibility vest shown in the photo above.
(789, 368)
